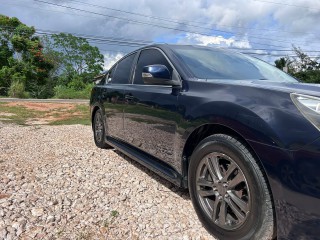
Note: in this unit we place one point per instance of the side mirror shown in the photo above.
(158, 75)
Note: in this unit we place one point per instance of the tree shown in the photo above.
(303, 62)
(310, 76)
(22, 63)
(33, 66)
(76, 57)
(283, 63)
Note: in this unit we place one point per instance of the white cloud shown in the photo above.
(217, 40)
(209, 40)
(110, 59)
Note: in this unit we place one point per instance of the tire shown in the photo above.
(229, 191)
(99, 131)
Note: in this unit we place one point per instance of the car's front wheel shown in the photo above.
(99, 130)
(229, 191)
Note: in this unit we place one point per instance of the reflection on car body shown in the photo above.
(241, 135)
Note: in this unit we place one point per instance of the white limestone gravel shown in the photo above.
(56, 184)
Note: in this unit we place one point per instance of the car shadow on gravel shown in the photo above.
(183, 193)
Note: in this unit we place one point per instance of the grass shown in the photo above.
(70, 93)
(71, 121)
(19, 114)
(84, 235)
(82, 117)
(77, 114)
(108, 221)
(60, 232)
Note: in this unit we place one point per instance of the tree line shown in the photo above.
(59, 65)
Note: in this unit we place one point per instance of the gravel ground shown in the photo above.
(55, 184)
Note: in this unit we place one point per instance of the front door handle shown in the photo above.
(104, 94)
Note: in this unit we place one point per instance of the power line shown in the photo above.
(138, 43)
(98, 39)
(182, 23)
(155, 17)
(274, 50)
(171, 20)
(247, 53)
(112, 51)
(236, 34)
(143, 43)
(166, 27)
(139, 14)
(287, 4)
(122, 43)
(41, 9)
(277, 55)
(270, 50)
(104, 41)
(157, 25)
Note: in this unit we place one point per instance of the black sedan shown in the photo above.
(240, 134)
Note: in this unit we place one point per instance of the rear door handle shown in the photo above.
(128, 97)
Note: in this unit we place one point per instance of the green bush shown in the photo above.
(310, 76)
(77, 83)
(5, 79)
(17, 87)
(65, 92)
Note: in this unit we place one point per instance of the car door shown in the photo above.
(150, 111)
(113, 98)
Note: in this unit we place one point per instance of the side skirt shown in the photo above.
(147, 160)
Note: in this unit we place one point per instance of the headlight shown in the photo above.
(309, 106)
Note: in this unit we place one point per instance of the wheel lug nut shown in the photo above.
(220, 197)
(226, 196)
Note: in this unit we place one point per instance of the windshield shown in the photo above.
(210, 63)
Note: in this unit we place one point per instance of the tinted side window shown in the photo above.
(149, 57)
(123, 70)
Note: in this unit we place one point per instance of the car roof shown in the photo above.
(165, 46)
(169, 50)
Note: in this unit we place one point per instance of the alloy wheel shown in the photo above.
(223, 190)
(98, 127)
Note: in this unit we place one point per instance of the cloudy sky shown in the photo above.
(267, 28)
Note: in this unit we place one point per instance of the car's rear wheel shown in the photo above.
(229, 191)
(99, 130)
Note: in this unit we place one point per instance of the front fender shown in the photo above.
(274, 121)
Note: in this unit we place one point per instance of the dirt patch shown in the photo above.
(43, 107)
(45, 113)
(47, 118)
